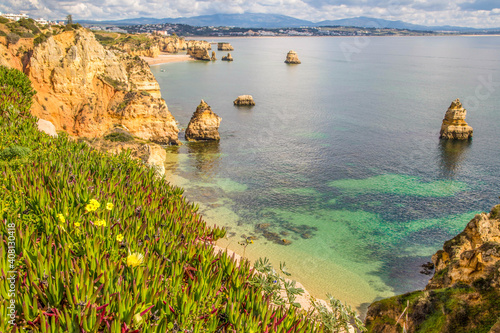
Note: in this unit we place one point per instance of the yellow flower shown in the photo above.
(92, 205)
(100, 223)
(61, 218)
(135, 259)
(109, 206)
(77, 224)
(119, 237)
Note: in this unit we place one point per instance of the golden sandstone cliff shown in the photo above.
(86, 90)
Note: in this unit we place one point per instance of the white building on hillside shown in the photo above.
(15, 17)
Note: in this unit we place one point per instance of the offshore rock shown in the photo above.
(199, 49)
(454, 125)
(292, 58)
(225, 47)
(204, 124)
(199, 53)
(213, 58)
(87, 90)
(229, 57)
(244, 100)
(463, 294)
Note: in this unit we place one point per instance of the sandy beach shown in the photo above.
(164, 58)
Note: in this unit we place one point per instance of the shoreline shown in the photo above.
(165, 58)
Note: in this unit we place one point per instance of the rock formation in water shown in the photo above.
(244, 100)
(85, 90)
(464, 293)
(227, 58)
(292, 58)
(213, 58)
(199, 50)
(454, 125)
(204, 124)
(225, 47)
(199, 53)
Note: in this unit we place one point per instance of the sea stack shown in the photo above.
(204, 124)
(244, 100)
(292, 58)
(228, 57)
(199, 53)
(213, 58)
(225, 47)
(454, 125)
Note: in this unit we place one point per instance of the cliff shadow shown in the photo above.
(205, 157)
(452, 154)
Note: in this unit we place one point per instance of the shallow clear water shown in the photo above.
(341, 158)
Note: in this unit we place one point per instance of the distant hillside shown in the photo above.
(370, 22)
(243, 21)
(254, 20)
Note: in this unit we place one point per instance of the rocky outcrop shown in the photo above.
(464, 293)
(151, 154)
(86, 90)
(454, 125)
(227, 58)
(47, 127)
(213, 58)
(199, 53)
(225, 47)
(204, 124)
(472, 255)
(173, 44)
(244, 100)
(292, 58)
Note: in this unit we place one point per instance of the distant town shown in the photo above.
(184, 30)
(188, 30)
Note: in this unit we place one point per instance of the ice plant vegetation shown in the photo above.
(165, 277)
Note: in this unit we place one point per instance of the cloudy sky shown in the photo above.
(470, 13)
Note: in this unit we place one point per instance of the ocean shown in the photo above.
(338, 170)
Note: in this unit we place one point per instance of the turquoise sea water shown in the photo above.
(338, 170)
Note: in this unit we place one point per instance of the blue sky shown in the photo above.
(470, 13)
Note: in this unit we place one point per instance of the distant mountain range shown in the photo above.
(254, 20)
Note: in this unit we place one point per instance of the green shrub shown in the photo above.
(17, 81)
(3, 20)
(495, 212)
(26, 34)
(39, 39)
(12, 38)
(2, 33)
(29, 24)
(119, 137)
(14, 152)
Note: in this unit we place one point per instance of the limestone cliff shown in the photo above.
(225, 47)
(464, 293)
(87, 90)
(454, 125)
(292, 58)
(204, 124)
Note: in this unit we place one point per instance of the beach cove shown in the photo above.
(339, 158)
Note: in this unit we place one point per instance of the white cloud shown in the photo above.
(475, 13)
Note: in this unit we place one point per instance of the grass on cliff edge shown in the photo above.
(98, 243)
(458, 309)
